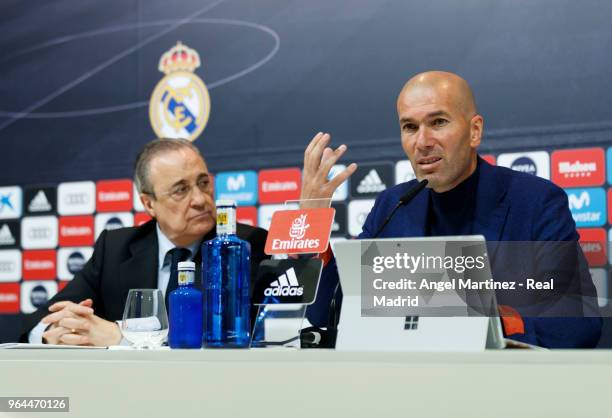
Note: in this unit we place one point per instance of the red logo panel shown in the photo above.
(141, 218)
(610, 206)
(300, 231)
(593, 243)
(114, 195)
(277, 186)
(578, 167)
(9, 298)
(247, 215)
(489, 158)
(39, 264)
(76, 231)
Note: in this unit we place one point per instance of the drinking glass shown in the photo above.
(145, 322)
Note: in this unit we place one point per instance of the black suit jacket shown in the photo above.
(125, 259)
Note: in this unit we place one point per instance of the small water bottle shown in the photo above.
(185, 310)
(226, 264)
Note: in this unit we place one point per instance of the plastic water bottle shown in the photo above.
(226, 264)
(185, 304)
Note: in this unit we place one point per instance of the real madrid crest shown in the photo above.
(180, 103)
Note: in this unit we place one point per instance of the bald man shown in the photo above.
(440, 132)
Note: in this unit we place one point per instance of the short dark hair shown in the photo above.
(152, 149)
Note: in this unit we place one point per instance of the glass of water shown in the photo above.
(145, 322)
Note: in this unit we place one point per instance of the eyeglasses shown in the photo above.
(183, 190)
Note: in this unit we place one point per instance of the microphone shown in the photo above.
(328, 337)
(407, 197)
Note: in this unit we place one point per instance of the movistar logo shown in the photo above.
(577, 202)
(588, 206)
(236, 183)
(286, 285)
(240, 186)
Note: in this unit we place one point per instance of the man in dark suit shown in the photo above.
(177, 191)
(440, 133)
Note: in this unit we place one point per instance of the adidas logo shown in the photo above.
(6, 238)
(371, 183)
(286, 285)
(39, 203)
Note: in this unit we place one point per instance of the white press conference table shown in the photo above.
(307, 383)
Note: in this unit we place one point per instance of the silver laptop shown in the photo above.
(410, 333)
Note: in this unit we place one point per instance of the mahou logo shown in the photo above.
(114, 195)
(578, 167)
(300, 231)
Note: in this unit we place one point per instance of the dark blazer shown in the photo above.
(510, 206)
(125, 259)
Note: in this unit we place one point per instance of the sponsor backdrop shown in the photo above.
(250, 82)
(47, 233)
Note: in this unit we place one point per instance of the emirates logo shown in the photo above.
(299, 227)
